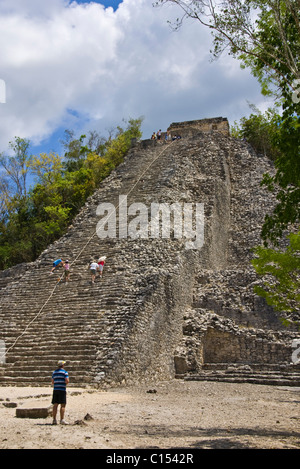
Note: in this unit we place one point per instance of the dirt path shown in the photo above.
(179, 414)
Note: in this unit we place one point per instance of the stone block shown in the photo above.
(180, 365)
(34, 413)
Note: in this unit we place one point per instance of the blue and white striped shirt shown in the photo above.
(59, 377)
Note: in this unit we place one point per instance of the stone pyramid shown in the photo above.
(176, 298)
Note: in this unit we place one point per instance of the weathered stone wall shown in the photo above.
(148, 351)
(230, 347)
(216, 124)
(212, 339)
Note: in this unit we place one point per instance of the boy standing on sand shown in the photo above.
(60, 379)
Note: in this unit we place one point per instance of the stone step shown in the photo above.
(21, 380)
(262, 373)
(258, 373)
(255, 367)
(263, 379)
(45, 372)
(46, 341)
(46, 364)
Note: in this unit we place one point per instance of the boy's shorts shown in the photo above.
(59, 397)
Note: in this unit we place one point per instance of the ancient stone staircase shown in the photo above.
(271, 375)
(69, 326)
(128, 325)
(82, 323)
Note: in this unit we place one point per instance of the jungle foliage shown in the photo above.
(32, 216)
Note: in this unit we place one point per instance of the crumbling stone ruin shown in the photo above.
(167, 306)
(216, 124)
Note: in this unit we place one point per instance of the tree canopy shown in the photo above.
(33, 217)
(280, 269)
(263, 34)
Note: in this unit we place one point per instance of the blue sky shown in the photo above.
(85, 67)
(113, 3)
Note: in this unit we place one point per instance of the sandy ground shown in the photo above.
(179, 414)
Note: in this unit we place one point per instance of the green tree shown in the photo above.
(16, 235)
(270, 135)
(46, 167)
(285, 183)
(14, 244)
(15, 167)
(260, 130)
(119, 146)
(280, 270)
(32, 219)
(75, 151)
(263, 34)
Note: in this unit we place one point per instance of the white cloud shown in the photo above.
(58, 57)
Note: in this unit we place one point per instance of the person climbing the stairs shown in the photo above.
(57, 264)
(101, 262)
(67, 271)
(93, 269)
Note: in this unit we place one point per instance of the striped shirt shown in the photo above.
(59, 377)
